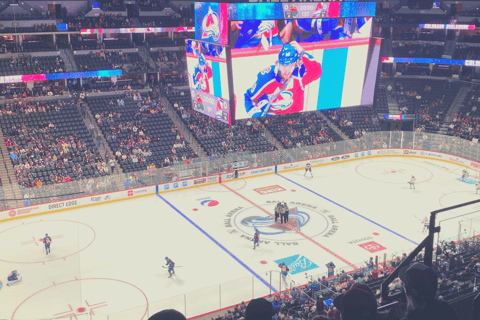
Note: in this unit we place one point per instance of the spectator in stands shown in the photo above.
(259, 309)
(169, 314)
(358, 303)
(420, 286)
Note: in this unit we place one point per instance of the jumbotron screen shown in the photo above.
(208, 79)
(287, 66)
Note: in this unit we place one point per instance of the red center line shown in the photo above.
(294, 229)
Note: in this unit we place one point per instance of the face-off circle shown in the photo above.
(90, 295)
(23, 243)
(393, 172)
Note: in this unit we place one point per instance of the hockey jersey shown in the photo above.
(200, 79)
(251, 32)
(291, 99)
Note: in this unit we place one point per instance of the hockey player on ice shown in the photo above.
(202, 74)
(412, 182)
(47, 240)
(465, 175)
(308, 168)
(477, 187)
(426, 225)
(284, 271)
(13, 277)
(256, 238)
(280, 88)
(171, 266)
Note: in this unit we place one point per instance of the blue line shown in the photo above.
(348, 209)
(218, 244)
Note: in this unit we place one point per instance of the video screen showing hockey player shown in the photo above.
(267, 33)
(299, 65)
(207, 76)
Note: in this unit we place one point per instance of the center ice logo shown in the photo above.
(297, 264)
(210, 26)
(270, 227)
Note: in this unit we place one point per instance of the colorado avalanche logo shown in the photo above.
(283, 101)
(210, 26)
(268, 226)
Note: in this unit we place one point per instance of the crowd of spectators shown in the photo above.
(354, 122)
(466, 122)
(300, 130)
(106, 60)
(420, 18)
(31, 65)
(40, 89)
(48, 143)
(425, 50)
(102, 21)
(218, 138)
(112, 5)
(466, 52)
(140, 132)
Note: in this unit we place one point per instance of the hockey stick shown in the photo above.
(173, 267)
(273, 97)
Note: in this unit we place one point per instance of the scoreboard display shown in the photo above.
(281, 58)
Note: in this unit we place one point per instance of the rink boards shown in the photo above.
(81, 202)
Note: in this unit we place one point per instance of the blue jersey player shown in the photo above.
(171, 266)
(202, 74)
(47, 240)
(256, 238)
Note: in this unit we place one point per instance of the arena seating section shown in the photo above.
(157, 126)
(301, 129)
(436, 97)
(37, 64)
(105, 60)
(219, 138)
(29, 130)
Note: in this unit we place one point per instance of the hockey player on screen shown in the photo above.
(308, 168)
(256, 238)
(280, 88)
(412, 182)
(171, 266)
(253, 33)
(465, 175)
(477, 187)
(47, 240)
(202, 74)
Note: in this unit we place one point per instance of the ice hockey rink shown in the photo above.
(109, 259)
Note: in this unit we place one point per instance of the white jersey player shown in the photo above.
(465, 175)
(477, 187)
(426, 224)
(412, 182)
(308, 168)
